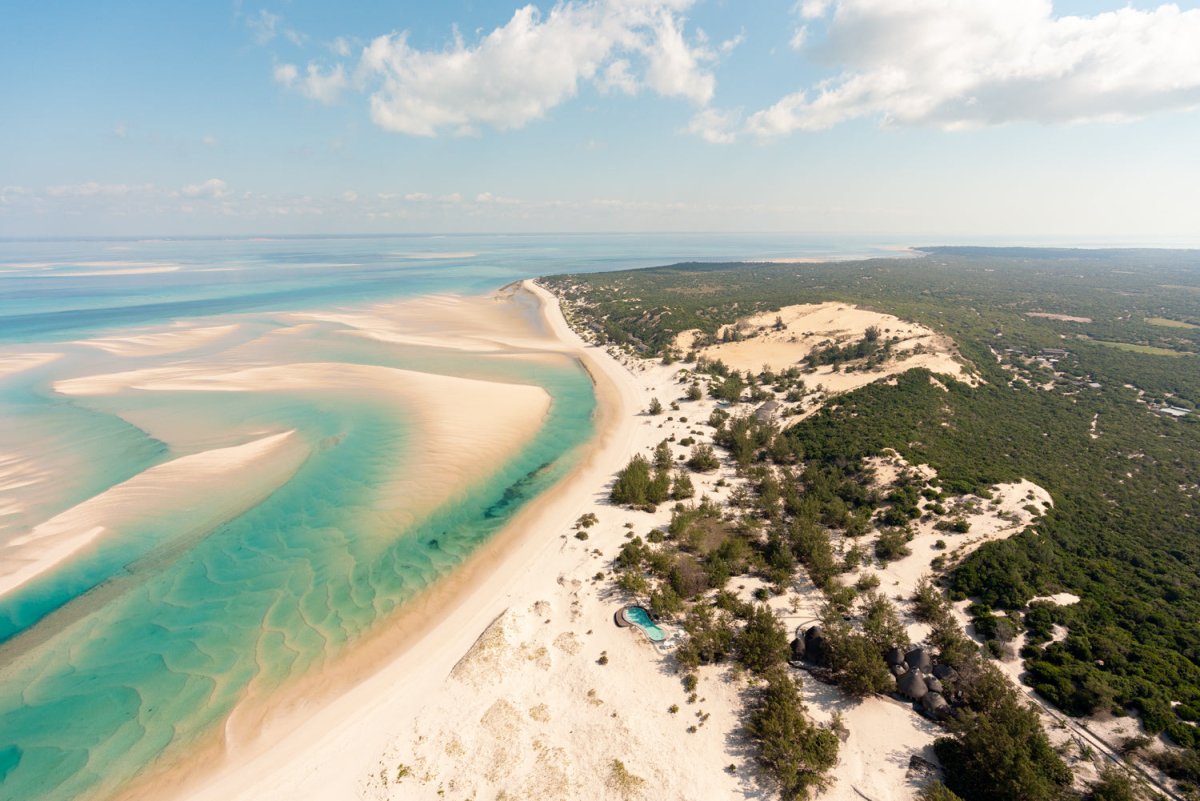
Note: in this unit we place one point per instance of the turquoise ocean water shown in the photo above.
(146, 642)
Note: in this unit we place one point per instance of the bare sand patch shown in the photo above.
(1066, 318)
(785, 338)
(11, 363)
(160, 342)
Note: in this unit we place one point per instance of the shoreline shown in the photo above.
(313, 748)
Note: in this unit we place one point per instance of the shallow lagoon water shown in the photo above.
(144, 644)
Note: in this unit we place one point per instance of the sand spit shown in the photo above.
(810, 326)
(486, 324)
(465, 428)
(11, 363)
(160, 342)
(243, 471)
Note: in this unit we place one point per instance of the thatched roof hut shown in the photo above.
(919, 659)
(935, 705)
(816, 647)
(944, 672)
(912, 685)
(765, 412)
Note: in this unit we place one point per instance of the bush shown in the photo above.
(892, 544)
(637, 486)
(656, 406)
(791, 749)
(703, 459)
(998, 751)
(855, 663)
(762, 643)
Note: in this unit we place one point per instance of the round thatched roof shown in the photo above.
(920, 659)
(935, 705)
(912, 685)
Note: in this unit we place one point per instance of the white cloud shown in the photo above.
(263, 26)
(94, 189)
(729, 45)
(521, 70)
(286, 74)
(812, 9)
(617, 77)
(714, 126)
(120, 130)
(212, 188)
(208, 140)
(324, 87)
(418, 197)
(488, 197)
(674, 65)
(340, 47)
(959, 64)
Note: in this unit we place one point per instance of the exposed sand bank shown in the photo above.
(465, 428)
(160, 342)
(18, 362)
(243, 473)
(809, 326)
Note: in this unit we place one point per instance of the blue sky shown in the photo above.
(971, 119)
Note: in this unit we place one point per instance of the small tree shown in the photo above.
(656, 406)
(793, 751)
(633, 482)
(762, 643)
(682, 488)
(703, 458)
(855, 663)
(693, 392)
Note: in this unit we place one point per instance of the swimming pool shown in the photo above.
(641, 618)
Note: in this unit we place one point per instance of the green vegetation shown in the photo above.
(1147, 349)
(791, 749)
(1121, 533)
(1165, 323)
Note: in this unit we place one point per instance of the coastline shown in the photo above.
(319, 738)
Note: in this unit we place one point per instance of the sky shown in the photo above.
(974, 120)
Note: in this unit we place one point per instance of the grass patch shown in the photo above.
(1149, 350)
(1165, 323)
(622, 782)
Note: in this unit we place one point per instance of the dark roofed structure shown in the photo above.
(912, 685)
(764, 413)
(935, 705)
(919, 659)
(816, 647)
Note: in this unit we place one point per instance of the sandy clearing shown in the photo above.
(11, 363)
(809, 326)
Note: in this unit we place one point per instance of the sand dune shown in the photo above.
(812, 325)
(264, 463)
